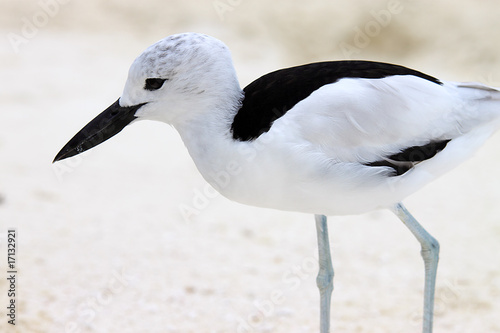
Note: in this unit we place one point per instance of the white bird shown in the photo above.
(328, 138)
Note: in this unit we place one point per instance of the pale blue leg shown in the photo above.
(325, 275)
(430, 254)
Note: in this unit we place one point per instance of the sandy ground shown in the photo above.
(102, 245)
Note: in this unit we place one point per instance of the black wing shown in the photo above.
(272, 95)
(409, 157)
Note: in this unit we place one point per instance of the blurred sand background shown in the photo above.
(102, 245)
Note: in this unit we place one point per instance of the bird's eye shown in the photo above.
(153, 84)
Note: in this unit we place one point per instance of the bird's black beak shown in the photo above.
(104, 126)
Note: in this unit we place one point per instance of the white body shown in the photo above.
(311, 160)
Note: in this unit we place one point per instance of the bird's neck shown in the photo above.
(208, 136)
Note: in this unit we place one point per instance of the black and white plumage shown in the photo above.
(328, 138)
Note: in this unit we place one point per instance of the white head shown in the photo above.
(180, 76)
(178, 80)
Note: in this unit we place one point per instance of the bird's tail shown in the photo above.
(482, 102)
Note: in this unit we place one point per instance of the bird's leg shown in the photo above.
(430, 254)
(324, 280)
